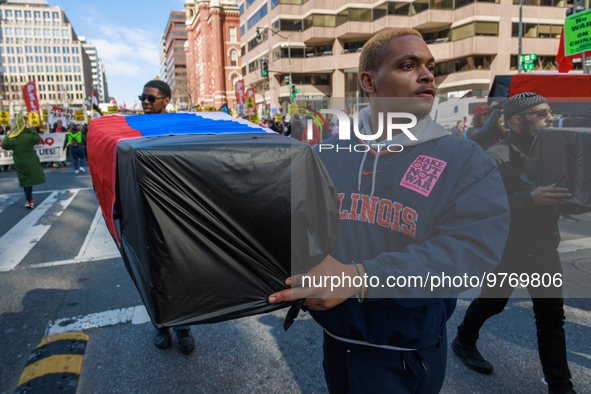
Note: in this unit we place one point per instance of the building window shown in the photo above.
(233, 34)
(241, 9)
(533, 30)
(360, 14)
(18, 14)
(475, 29)
(254, 42)
(379, 12)
(279, 53)
(309, 79)
(27, 14)
(56, 15)
(261, 13)
(275, 3)
(234, 58)
(249, 3)
(8, 13)
(464, 64)
(288, 25)
(437, 36)
(355, 46)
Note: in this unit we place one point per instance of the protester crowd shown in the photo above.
(383, 344)
(479, 218)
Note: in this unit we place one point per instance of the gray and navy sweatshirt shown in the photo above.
(439, 205)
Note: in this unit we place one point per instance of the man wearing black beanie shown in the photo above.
(530, 249)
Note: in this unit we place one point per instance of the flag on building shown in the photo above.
(565, 63)
(95, 103)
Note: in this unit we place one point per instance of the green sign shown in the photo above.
(577, 33)
(529, 58)
(296, 90)
(527, 66)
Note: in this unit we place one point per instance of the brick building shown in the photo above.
(213, 51)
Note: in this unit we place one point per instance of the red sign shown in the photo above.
(239, 89)
(249, 94)
(30, 95)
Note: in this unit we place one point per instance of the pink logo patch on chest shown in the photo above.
(423, 174)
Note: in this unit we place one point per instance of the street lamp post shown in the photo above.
(520, 36)
(288, 51)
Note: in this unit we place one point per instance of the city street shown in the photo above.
(60, 272)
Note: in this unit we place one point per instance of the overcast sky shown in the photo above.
(126, 34)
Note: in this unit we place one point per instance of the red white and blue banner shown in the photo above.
(105, 133)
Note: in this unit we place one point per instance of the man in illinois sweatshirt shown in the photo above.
(425, 206)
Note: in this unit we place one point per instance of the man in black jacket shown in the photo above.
(530, 249)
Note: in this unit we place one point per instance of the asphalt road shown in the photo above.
(61, 273)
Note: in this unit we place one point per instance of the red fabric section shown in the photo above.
(104, 134)
(565, 64)
(552, 85)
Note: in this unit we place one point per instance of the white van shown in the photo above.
(451, 111)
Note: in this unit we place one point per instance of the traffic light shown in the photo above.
(577, 6)
(264, 68)
(293, 91)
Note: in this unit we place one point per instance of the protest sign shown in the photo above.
(49, 149)
(5, 118)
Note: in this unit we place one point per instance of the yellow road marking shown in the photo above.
(63, 363)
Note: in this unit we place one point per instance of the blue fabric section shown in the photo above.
(170, 124)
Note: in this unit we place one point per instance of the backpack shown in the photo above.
(74, 143)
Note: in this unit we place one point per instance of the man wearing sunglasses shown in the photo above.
(155, 97)
(530, 249)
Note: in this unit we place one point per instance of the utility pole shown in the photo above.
(519, 61)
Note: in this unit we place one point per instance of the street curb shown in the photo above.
(54, 366)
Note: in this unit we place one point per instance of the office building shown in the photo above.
(472, 41)
(99, 82)
(173, 61)
(39, 44)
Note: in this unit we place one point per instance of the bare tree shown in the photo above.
(181, 91)
(261, 87)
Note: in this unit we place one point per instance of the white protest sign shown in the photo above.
(50, 148)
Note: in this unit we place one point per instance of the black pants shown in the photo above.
(549, 313)
(29, 193)
(352, 368)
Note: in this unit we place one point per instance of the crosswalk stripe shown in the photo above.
(574, 245)
(19, 240)
(98, 245)
(8, 200)
(135, 315)
(46, 191)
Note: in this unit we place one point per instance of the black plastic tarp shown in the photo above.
(206, 221)
(562, 156)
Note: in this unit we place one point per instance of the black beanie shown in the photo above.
(520, 102)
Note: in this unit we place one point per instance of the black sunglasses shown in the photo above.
(151, 99)
(541, 113)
